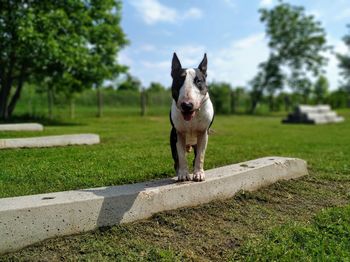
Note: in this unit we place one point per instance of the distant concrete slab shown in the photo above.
(50, 141)
(30, 219)
(307, 114)
(22, 127)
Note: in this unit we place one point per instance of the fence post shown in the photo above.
(99, 101)
(143, 101)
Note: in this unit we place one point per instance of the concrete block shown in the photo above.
(320, 114)
(50, 141)
(30, 219)
(21, 127)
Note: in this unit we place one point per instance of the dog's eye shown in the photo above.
(197, 81)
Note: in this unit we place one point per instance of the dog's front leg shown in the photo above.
(182, 171)
(202, 141)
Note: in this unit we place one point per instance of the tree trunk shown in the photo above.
(99, 102)
(17, 95)
(287, 103)
(3, 101)
(6, 87)
(143, 102)
(4, 95)
(255, 100)
(50, 102)
(72, 107)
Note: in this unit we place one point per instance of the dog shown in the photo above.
(191, 116)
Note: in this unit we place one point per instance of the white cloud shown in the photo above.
(147, 48)
(342, 15)
(190, 55)
(124, 58)
(152, 11)
(316, 13)
(160, 65)
(230, 3)
(266, 3)
(193, 13)
(237, 64)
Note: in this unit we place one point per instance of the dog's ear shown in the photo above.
(175, 65)
(203, 65)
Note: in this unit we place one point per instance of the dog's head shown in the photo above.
(189, 87)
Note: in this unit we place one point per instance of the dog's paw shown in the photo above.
(183, 175)
(198, 175)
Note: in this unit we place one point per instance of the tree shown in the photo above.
(130, 84)
(270, 78)
(71, 44)
(221, 96)
(344, 64)
(321, 89)
(297, 44)
(304, 87)
(156, 87)
(236, 97)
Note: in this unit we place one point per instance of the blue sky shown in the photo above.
(229, 31)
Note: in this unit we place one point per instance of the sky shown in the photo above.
(229, 31)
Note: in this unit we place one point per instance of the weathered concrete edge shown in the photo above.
(30, 219)
(21, 127)
(50, 141)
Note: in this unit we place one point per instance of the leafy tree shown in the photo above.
(269, 79)
(344, 64)
(156, 87)
(338, 98)
(236, 98)
(297, 43)
(321, 89)
(70, 44)
(221, 96)
(304, 87)
(130, 84)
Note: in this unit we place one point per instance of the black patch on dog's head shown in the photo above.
(203, 65)
(200, 81)
(179, 75)
(201, 75)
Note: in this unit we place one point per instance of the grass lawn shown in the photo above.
(279, 221)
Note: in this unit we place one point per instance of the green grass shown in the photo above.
(326, 238)
(247, 226)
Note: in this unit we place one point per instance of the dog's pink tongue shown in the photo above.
(188, 116)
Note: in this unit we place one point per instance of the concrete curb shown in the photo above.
(50, 141)
(22, 127)
(30, 219)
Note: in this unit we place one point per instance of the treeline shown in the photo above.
(229, 100)
(157, 99)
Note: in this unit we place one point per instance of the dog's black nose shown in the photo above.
(186, 107)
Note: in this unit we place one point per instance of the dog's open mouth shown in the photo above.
(188, 115)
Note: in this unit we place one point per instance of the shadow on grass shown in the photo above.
(40, 119)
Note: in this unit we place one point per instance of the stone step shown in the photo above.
(22, 127)
(30, 219)
(50, 141)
